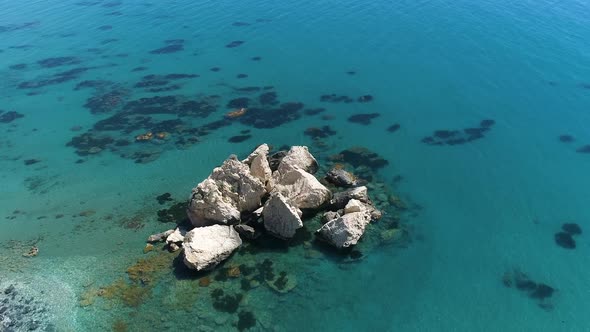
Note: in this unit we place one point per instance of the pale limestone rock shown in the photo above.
(159, 236)
(346, 230)
(280, 218)
(301, 189)
(205, 247)
(228, 191)
(299, 157)
(354, 205)
(176, 236)
(258, 162)
(339, 200)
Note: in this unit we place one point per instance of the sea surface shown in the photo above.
(471, 117)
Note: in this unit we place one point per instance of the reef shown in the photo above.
(565, 238)
(458, 137)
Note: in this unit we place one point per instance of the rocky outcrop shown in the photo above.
(299, 157)
(175, 239)
(205, 247)
(280, 218)
(228, 191)
(300, 188)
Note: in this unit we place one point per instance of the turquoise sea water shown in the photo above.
(477, 210)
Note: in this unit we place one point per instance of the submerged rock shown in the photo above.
(341, 178)
(280, 218)
(205, 247)
(228, 191)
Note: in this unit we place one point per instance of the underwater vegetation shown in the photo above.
(8, 117)
(175, 213)
(364, 119)
(538, 291)
(565, 239)
(459, 136)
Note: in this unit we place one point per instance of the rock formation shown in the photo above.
(280, 218)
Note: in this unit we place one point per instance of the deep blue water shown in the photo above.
(477, 208)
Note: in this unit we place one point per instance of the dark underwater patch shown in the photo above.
(314, 111)
(334, 98)
(566, 138)
(365, 99)
(323, 132)
(584, 149)
(58, 61)
(215, 69)
(255, 58)
(361, 156)
(18, 66)
(537, 291)
(234, 43)
(572, 228)
(139, 69)
(565, 240)
(241, 76)
(8, 117)
(458, 136)
(172, 48)
(364, 119)
(268, 98)
(105, 27)
(239, 138)
(240, 24)
(393, 128)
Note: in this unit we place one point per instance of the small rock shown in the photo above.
(246, 231)
(159, 237)
(341, 178)
(344, 231)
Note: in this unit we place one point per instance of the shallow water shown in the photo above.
(476, 210)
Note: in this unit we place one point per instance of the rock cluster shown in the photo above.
(267, 193)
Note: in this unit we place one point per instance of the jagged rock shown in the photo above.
(341, 178)
(159, 237)
(173, 247)
(298, 157)
(258, 162)
(176, 236)
(280, 218)
(354, 205)
(340, 199)
(205, 247)
(301, 189)
(228, 191)
(246, 231)
(344, 231)
(330, 215)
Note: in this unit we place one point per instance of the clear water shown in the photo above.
(486, 207)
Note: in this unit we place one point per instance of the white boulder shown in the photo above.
(346, 230)
(280, 218)
(300, 188)
(299, 156)
(205, 247)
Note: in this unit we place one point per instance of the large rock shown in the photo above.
(228, 191)
(346, 230)
(299, 157)
(300, 188)
(205, 247)
(258, 162)
(280, 218)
